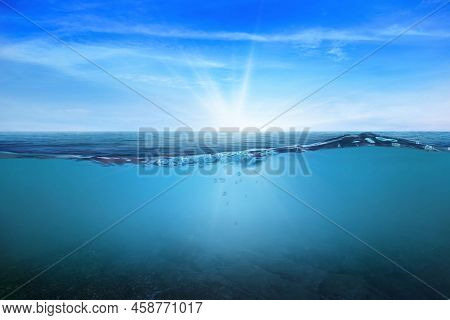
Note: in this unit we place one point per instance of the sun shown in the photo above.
(225, 105)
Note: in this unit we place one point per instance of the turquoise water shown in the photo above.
(229, 236)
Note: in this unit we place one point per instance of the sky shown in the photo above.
(96, 65)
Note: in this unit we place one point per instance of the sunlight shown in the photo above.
(226, 108)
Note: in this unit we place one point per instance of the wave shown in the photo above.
(257, 155)
(248, 156)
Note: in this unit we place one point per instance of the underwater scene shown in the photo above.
(341, 215)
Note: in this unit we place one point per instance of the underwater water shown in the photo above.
(376, 225)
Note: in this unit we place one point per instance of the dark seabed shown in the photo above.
(230, 236)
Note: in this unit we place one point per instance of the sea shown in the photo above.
(91, 215)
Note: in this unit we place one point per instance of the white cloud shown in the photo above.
(337, 53)
(426, 109)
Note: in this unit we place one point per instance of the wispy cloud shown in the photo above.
(308, 36)
(304, 36)
(51, 54)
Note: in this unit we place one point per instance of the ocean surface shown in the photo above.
(364, 222)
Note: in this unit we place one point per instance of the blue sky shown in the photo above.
(224, 63)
